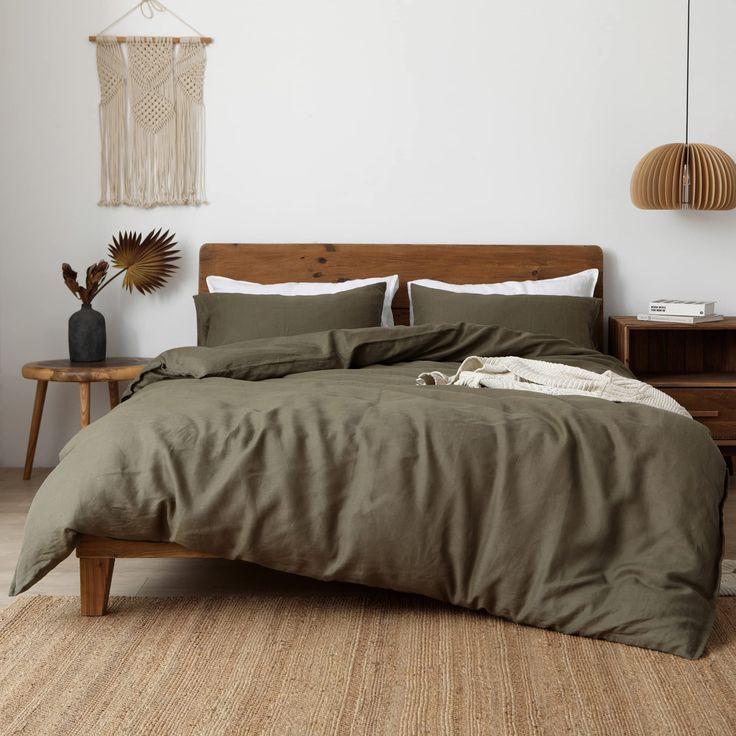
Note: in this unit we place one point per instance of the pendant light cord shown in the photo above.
(687, 79)
(685, 184)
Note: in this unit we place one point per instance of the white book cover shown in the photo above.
(683, 307)
(680, 318)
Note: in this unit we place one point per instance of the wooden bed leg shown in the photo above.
(95, 576)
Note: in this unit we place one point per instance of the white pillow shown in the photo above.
(578, 284)
(224, 285)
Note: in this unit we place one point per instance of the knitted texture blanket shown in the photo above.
(524, 374)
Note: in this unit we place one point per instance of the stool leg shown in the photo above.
(35, 424)
(84, 403)
(112, 387)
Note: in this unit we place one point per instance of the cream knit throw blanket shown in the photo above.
(551, 378)
(151, 121)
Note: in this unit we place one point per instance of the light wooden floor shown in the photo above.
(168, 577)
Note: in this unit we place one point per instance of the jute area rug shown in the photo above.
(379, 663)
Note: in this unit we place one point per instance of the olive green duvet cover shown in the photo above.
(319, 455)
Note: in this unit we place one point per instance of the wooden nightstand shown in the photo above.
(695, 364)
(110, 370)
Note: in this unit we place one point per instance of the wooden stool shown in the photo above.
(111, 370)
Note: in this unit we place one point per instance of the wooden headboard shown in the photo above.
(269, 263)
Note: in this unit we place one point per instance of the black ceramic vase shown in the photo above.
(87, 336)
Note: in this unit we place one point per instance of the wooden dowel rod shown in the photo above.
(176, 39)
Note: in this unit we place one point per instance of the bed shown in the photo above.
(608, 532)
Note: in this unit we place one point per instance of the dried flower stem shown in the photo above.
(107, 281)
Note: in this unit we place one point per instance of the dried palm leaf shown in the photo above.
(147, 262)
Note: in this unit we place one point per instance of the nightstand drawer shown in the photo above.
(714, 407)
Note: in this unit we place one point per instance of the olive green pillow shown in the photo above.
(227, 318)
(570, 317)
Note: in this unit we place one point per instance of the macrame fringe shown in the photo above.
(152, 129)
(188, 91)
(113, 122)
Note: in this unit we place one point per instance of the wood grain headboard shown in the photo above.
(269, 263)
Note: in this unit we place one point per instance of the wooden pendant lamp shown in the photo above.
(685, 175)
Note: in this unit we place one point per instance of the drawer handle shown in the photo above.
(703, 414)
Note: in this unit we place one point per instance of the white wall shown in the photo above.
(360, 120)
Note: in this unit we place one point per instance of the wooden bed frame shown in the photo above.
(271, 263)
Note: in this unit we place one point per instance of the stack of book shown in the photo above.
(680, 310)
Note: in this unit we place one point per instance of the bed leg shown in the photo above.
(95, 576)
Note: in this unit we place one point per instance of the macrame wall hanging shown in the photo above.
(152, 133)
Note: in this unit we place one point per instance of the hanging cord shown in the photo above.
(148, 9)
(687, 79)
(685, 192)
(153, 6)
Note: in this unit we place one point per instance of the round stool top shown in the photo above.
(110, 369)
